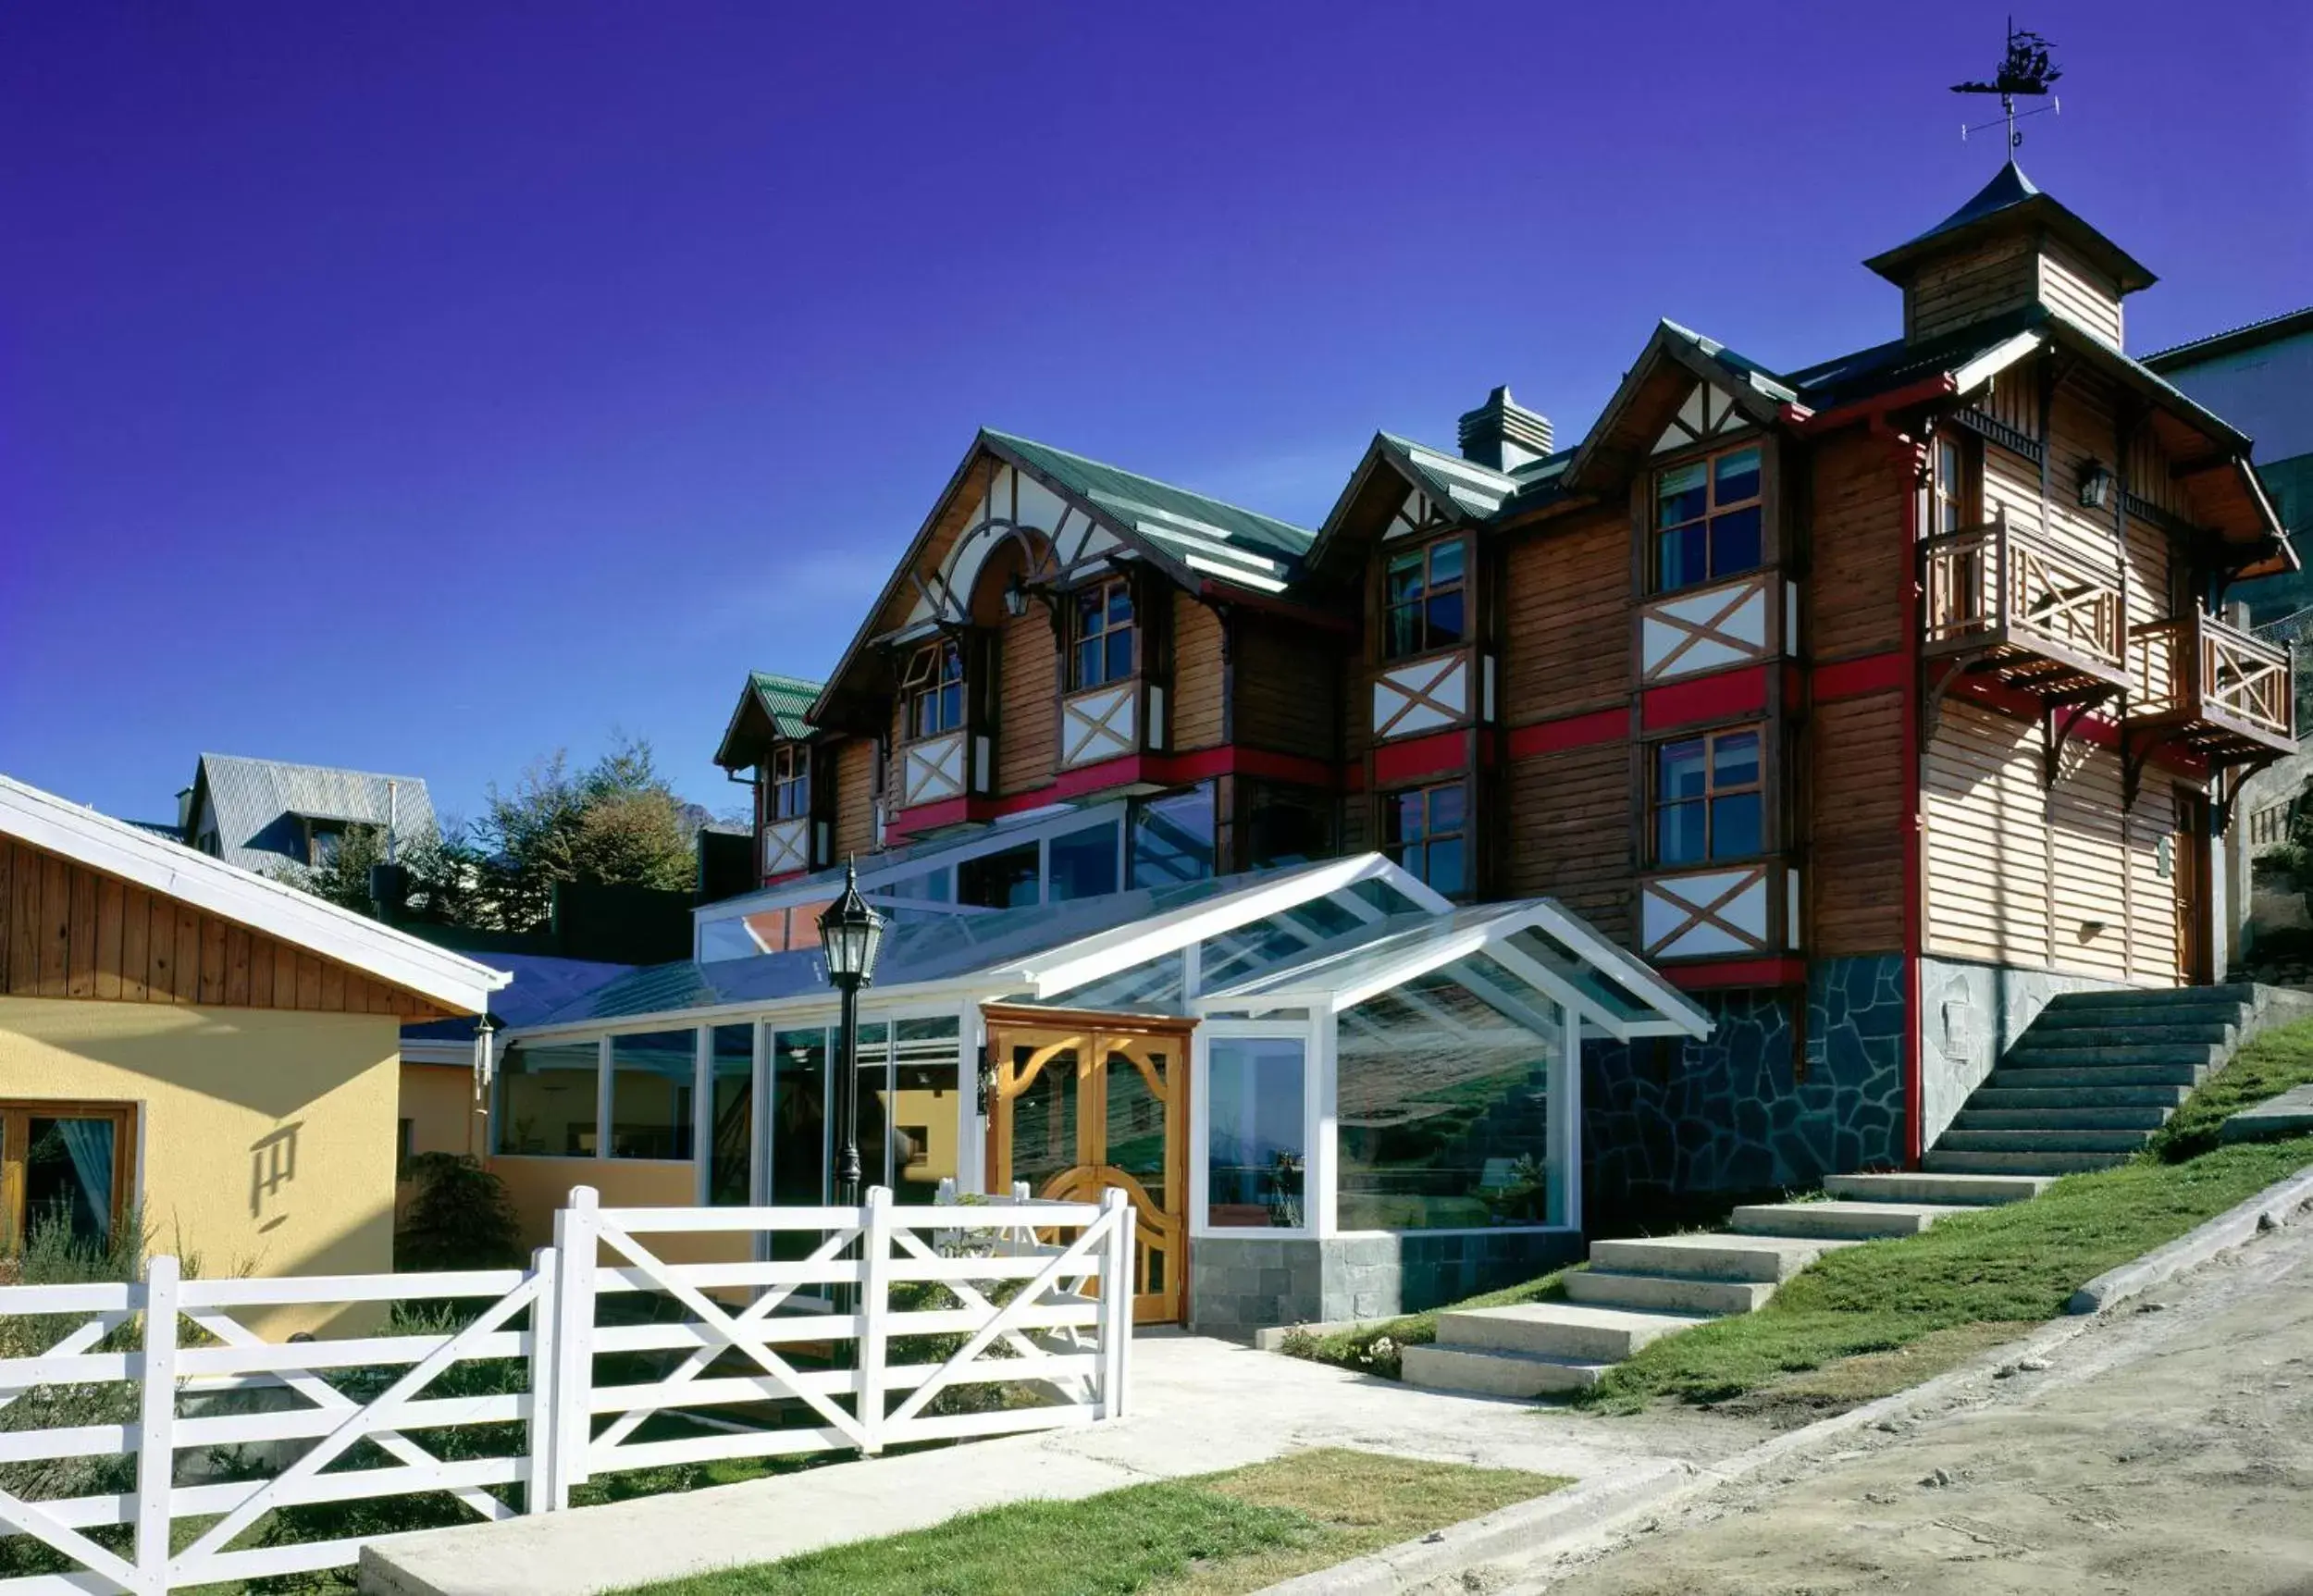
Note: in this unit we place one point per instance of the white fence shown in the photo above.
(144, 1457)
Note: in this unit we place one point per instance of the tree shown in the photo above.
(617, 824)
(443, 879)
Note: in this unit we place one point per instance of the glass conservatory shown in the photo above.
(1328, 1090)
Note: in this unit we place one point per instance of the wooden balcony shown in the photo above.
(2213, 690)
(1736, 911)
(2005, 602)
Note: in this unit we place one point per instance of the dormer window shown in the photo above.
(932, 689)
(1425, 599)
(1706, 518)
(790, 771)
(1101, 634)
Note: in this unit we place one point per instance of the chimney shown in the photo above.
(1502, 435)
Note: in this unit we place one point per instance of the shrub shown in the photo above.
(461, 1218)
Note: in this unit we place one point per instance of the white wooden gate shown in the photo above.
(751, 1340)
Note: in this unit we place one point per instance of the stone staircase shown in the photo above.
(2097, 1073)
(1641, 1289)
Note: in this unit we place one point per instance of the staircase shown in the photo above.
(1638, 1291)
(2097, 1073)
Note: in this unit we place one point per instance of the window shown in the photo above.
(1424, 829)
(546, 1100)
(1174, 837)
(932, 690)
(1006, 880)
(66, 1165)
(730, 1145)
(1706, 519)
(404, 1139)
(1708, 797)
(1256, 1159)
(790, 782)
(651, 1078)
(323, 838)
(1084, 864)
(1100, 632)
(1955, 487)
(1423, 599)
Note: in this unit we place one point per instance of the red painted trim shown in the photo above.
(1707, 698)
(1852, 678)
(1915, 817)
(1569, 732)
(1924, 391)
(1711, 974)
(784, 877)
(1418, 757)
(2094, 726)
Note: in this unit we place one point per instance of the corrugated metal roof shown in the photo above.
(541, 984)
(2211, 346)
(257, 804)
(786, 700)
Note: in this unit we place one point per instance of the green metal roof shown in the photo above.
(1185, 523)
(786, 700)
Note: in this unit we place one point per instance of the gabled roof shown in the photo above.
(1461, 493)
(1674, 357)
(771, 708)
(540, 983)
(118, 849)
(2010, 203)
(253, 797)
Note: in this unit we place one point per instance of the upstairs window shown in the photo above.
(932, 690)
(1425, 831)
(1706, 519)
(1956, 500)
(1100, 634)
(1424, 600)
(1708, 797)
(790, 782)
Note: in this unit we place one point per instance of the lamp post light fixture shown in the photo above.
(850, 935)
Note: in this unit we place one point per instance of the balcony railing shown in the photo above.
(2051, 620)
(2217, 688)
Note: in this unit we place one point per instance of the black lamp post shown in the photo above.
(850, 934)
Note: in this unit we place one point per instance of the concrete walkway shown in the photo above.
(1198, 1405)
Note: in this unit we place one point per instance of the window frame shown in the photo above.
(1464, 834)
(1427, 548)
(1764, 787)
(787, 770)
(15, 1117)
(1078, 637)
(1712, 511)
(1317, 1181)
(926, 679)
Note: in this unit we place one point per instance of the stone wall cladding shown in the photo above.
(1731, 1114)
(1970, 1014)
(1239, 1284)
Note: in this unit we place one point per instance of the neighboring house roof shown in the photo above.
(540, 985)
(118, 849)
(2232, 340)
(168, 828)
(770, 708)
(259, 803)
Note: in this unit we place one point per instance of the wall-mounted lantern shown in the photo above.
(2095, 486)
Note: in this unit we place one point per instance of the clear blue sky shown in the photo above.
(424, 387)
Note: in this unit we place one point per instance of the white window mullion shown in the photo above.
(602, 1098)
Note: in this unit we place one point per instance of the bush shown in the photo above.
(461, 1218)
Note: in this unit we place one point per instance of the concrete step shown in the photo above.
(2048, 1119)
(2042, 1076)
(1496, 1373)
(1957, 1162)
(1921, 1187)
(2078, 1097)
(2240, 992)
(2032, 1054)
(1607, 1288)
(1842, 1220)
(1560, 1329)
(1712, 1257)
(2041, 1141)
(2114, 1025)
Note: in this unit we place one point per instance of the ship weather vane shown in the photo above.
(2027, 71)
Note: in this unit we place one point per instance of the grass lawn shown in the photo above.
(1209, 1535)
(2280, 1058)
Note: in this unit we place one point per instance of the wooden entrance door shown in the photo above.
(2190, 862)
(1074, 1110)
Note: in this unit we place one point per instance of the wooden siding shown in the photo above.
(1859, 778)
(1853, 603)
(1199, 674)
(854, 761)
(2069, 285)
(68, 931)
(1567, 623)
(1569, 831)
(1285, 687)
(1027, 689)
(2046, 879)
(1961, 288)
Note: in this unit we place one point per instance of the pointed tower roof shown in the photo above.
(2011, 204)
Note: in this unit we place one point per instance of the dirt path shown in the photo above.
(2166, 1449)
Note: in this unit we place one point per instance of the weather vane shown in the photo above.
(2026, 70)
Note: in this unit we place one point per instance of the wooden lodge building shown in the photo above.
(1870, 703)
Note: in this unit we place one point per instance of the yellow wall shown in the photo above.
(438, 1101)
(266, 1137)
(540, 1186)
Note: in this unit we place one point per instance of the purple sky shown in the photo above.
(427, 388)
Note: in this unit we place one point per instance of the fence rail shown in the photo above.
(158, 1439)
